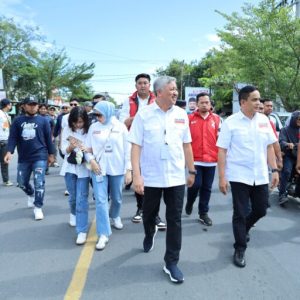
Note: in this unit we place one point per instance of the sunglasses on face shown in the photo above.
(73, 104)
(64, 107)
(98, 115)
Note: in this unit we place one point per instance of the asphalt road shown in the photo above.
(38, 258)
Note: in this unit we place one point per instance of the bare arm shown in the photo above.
(138, 181)
(278, 155)
(223, 184)
(272, 163)
(189, 160)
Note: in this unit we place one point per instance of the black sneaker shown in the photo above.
(283, 199)
(160, 225)
(239, 258)
(205, 219)
(148, 242)
(137, 218)
(188, 209)
(174, 273)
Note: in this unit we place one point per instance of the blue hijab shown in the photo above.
(107, 109)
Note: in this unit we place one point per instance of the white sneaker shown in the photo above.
(81, 238)
(38, 213)
(103, 240)
(67, 193)
(117, 223)
(55, 165)
(72, 221)
(30, 201)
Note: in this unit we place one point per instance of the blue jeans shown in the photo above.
(24, 172)
(101, 195)
(202, 186)
(78, 189)
(288, 164)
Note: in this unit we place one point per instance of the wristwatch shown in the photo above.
(275, 170)
(192, 172)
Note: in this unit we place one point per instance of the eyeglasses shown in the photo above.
(98, 115)
(65, 107)
(73, 104)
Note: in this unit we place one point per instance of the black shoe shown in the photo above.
(160, 225)
(174, 273)
(247, 237)
(188, 209)
(239, 258)
(283, 199)
(205, 219)
(148, 242)
(137, 218)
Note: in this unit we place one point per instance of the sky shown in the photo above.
(125, 38)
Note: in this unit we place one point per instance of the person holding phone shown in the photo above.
(75, 172)
(108, 153)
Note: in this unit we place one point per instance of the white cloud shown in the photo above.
(213, 38)
(16, 9)
(161, 39)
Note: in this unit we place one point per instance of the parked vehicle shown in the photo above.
(279, 119)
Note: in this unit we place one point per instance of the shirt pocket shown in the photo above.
(152, 133)
(241, 136)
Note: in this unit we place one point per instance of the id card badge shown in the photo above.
(165, 152)
(108, 148)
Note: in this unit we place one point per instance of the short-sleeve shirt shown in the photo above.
(161, 136)
(246, 141)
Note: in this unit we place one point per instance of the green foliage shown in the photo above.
(29, 71)
(263, 47)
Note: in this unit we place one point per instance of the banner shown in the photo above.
(190, 96)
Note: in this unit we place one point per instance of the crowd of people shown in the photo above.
(158, 147)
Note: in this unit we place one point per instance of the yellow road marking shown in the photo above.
(81, 270)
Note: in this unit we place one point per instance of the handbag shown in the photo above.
(75, 157)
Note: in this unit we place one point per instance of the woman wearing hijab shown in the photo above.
(108, 153)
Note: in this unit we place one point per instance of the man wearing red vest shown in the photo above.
(204, 127)
(140, 98)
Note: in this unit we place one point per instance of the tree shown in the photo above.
(185, 74)
(263, 47)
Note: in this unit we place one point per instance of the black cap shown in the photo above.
(5, 102)
(29, 100)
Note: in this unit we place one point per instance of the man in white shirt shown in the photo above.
(139, 99)
(161, 147)
(245, 150)
(5, 122)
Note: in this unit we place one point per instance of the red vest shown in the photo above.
(134, 103)
(204, 134)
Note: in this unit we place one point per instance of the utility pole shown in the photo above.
(181, 79)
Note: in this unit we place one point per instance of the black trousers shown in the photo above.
(4, 166)
(173, 198)
(242, 220)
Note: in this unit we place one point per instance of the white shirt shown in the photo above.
(125, 111)
(110, 147)
(161, 136)
(4, 125)
(65, 121)
(246, 141)
(80, 170)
